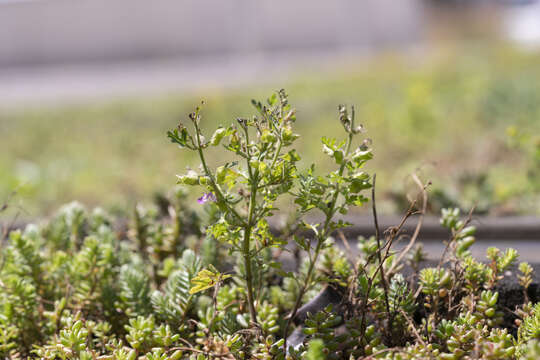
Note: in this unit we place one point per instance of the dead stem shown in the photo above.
(412, 241)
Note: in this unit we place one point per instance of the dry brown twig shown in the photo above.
(419, 224)
(392, 234)
(344, 240)
(413, 327)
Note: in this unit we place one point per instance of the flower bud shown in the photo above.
(218, 135)
(268, 137)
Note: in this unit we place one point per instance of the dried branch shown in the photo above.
(412, 241)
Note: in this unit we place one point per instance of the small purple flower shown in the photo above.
(207, 197)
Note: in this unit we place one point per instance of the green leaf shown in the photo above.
(315, 348)
(301, 242)
(359, 181)
(272, 100)
(291, 156)
(227, 176)
(180, 136)
(338, 155)
(206, 279)
(360, 156)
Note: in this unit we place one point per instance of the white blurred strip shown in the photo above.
(523, 24)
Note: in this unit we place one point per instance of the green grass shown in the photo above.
(446, 115)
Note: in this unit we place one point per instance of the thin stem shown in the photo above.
(247, 259)
(247, 225)
(320, 239)
(418, 225)
(388, 246)
(276, 154)
(253, 177)
(213, 183)
(379, 250)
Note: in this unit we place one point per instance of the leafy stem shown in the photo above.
(266, 175)
(321, 237)
(213, 184)
(253, 179)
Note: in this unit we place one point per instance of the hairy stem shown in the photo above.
(215, 187)
(253, 177)
(247, 258)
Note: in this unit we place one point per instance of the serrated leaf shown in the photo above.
(206, 279)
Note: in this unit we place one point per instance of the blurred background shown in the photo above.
(448, 89)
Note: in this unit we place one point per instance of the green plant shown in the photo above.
(245, 194)
(246, 190)
(530, 327)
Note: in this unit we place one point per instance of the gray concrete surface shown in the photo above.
(80, 82)
(519, 232)
(66, 31)
(55, 51)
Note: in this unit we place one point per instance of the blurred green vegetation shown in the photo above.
(453, 117)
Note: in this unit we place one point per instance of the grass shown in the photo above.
(445, 114)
